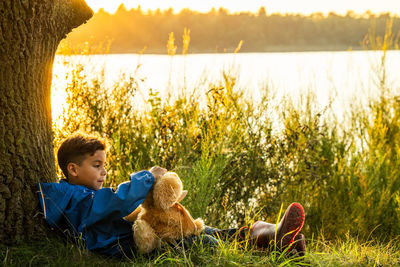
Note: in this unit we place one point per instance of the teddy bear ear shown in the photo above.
(182, 196)
(167, 190)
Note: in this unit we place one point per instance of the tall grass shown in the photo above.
(347, 252)
(237, 166)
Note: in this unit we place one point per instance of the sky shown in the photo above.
(272, 6)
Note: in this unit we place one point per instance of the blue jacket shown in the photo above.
(96, 216)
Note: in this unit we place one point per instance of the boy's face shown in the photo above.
(91, 172)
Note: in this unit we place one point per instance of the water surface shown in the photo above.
(345, 77)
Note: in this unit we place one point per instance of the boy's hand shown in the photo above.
(157, 172)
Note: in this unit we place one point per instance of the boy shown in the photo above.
(81, 206)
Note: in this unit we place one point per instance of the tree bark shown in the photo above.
(30, 31)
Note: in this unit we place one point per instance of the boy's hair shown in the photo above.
(75, 149)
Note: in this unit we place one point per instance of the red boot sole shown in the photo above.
(296, 218)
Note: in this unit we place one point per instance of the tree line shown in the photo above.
(134, 30)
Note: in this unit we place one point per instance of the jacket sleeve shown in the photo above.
(54, 200)
(107, 204)
(79, 207)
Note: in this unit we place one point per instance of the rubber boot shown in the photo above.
(299, 245)
(263, 234)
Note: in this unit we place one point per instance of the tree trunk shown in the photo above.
(30, 31)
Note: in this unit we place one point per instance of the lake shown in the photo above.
(343, 78)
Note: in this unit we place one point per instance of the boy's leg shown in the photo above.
(263, 235)
(123, 248)
(284, 233)
(222, 234)
(204, 239)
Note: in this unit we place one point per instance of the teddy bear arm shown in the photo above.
(199, 226)
(133, 216)
(144, 236)
(188, 225)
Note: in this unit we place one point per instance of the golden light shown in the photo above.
(272, 6)
(58, 94)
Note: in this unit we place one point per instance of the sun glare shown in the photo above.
(58, 96)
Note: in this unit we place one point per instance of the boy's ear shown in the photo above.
(72, 169)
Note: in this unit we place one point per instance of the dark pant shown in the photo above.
(212, 237)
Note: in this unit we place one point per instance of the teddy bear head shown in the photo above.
(166, 192)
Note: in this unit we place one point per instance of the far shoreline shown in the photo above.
(275, 49)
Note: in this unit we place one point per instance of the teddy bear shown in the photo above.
(161, 216)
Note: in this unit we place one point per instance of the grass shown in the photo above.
(348, 252)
